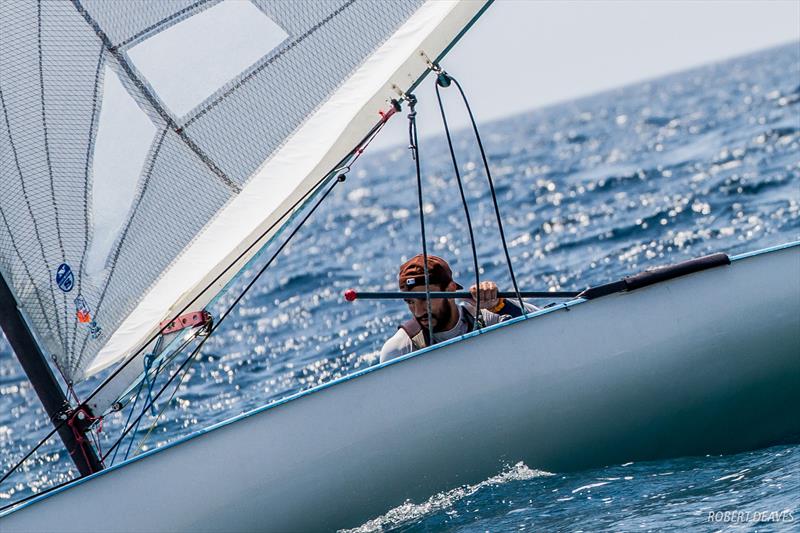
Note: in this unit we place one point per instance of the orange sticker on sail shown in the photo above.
(84, 315)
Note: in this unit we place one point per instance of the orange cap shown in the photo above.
(412, 273)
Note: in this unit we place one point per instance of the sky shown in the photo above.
(521, 54)
(524, 54)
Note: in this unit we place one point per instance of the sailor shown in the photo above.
(449, 318)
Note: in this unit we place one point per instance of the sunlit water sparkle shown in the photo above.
(701, 161)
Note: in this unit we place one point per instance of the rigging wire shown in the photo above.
(412, 145)
(476, 267)
(162, 410)
(230, 308)
(95, 435)
(135, 425)
(70, 388)
(445, 78)
(32, 451)
(183, 368)
(148, 361)
(130, 415)
(344, 165)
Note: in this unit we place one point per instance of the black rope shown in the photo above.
(151, 401)
(476, 267)
(344, 163)
(130, 414)
(341, 165)
(227, 312)
(115, 52)
(150, 382)
(412, 145)
(445, 79)
(32, 451)
(341, 178)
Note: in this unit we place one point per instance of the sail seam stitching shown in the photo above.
(160, 23)
(44, 129)
(50, 170)
(35, 227)
(153, 101)
(268, 62)
(27, 271)
(89, 149)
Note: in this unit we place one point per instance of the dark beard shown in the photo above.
(443, 320)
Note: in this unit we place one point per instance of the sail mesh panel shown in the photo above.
(127, 23)
(48, 74)
(52, 59)
(317, 51)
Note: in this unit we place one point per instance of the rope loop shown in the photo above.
(448, 79)
(78, 421)
(479, 322)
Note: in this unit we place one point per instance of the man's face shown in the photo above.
(441, 309)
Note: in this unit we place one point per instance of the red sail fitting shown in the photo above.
(186, 320)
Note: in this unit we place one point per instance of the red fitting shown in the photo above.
(79, 425)
(188, 320)
(350, 295)
(74, 423)
(386, 115)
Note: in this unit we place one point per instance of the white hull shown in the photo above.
(705, 363)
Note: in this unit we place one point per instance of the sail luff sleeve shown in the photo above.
(307, 155)
(273, 129)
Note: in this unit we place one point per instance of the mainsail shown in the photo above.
(129, 191)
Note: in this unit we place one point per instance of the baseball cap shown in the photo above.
(412, 273)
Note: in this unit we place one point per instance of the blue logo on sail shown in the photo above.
(65, 279)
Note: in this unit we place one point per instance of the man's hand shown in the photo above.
(488, 294)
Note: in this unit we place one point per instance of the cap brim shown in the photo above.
(457, 286)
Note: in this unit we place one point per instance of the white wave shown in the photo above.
(409, 511)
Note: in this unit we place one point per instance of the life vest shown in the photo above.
(419, 336)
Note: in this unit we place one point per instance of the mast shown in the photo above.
(41, 376)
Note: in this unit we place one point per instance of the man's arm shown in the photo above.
(399, 344)
(499, 306)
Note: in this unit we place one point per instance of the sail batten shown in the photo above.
(214, 179)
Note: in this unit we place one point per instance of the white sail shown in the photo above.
(98, 249)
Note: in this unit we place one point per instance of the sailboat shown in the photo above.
(106, 269)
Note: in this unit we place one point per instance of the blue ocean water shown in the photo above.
(700, 161)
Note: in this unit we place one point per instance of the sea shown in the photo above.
(590, 190)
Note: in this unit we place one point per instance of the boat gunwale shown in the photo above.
(318, 388)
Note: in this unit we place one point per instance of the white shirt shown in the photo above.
(400, 343)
